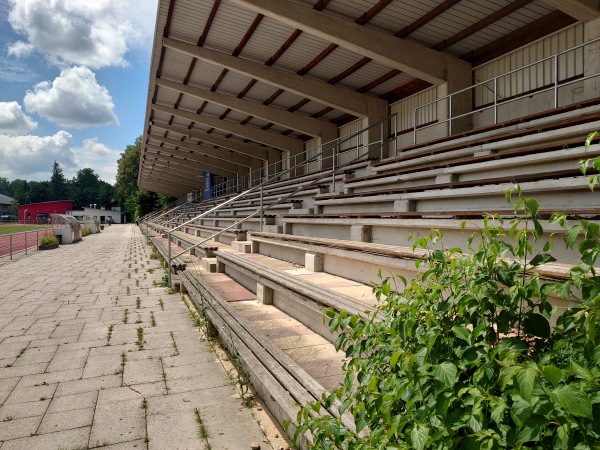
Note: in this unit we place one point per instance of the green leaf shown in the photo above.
(590, 138)
(581, 371)
(541, 258)
(554, 374)
(525, 380)
(419, 435)
(462, 333)
(572, 235)
(446, 373)
(572, 400)
(394, 359)
(537, 325)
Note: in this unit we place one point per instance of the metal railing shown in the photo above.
(498, 99)
(332, 146)
(22, 242)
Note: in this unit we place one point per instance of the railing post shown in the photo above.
(381, 128)
(262, 211)
(333, 164)
(450, 115)
(10, 245)
(395, 134)
(495, 101)
(26, 243)
(169, 258)
(415, 127)
(555, 81)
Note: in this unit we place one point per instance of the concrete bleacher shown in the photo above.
(266, 282)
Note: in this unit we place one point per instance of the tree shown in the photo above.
(85, 189)
(5, 187)
(58, 183)
(136, 202)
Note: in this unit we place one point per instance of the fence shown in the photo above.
(14, 244)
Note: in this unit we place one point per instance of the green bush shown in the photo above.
(49, 239)
(464, 357)
(85, 231)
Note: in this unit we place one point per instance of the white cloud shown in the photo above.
(74, 99)
(13, 120)
(31, 157)
(98, 156)
(93, 33)
(20, 49)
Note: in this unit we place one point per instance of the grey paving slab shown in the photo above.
(63, 384)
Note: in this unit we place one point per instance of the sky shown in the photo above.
(73, 84)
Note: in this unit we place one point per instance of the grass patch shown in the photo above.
(140, 338)
(9, 229)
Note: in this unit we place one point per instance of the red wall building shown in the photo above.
(40, 212)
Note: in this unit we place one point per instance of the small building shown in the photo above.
(5, 202)
(39, 213)
(103, 215)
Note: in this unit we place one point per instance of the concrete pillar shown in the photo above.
(360, 233)
(377, 112)
(325, 160)
(313, 262)
(446, 178)
(460, 76)
(264, 294)
(592, 59)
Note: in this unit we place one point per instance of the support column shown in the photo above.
(324, 160)
(360, 233)
(377, 112)
(460, 76)
(264, 294)
(313, 262)
(591, 56)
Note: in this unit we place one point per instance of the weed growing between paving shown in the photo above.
(140, 338)
(202, 431)
(152, 319)
(109, 334)
(126, 315)
(144, 406)
(174, 344)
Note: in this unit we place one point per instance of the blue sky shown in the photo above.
(73, 83)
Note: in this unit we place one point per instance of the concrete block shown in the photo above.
(264, 294)
(302, 211)
(446, 178)
(405, 205)
(273, 228)
(288, 228)
(242, 246)
(210, 264)
(360, 233)
(220, 267)
(313, 262)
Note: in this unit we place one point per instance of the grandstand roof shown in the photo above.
(233, 81)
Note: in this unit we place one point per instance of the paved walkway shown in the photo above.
(92, 355)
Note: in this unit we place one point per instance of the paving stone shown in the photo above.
(63, 440)
(88, 384)
(71, 402)
(17, 428)
(22, 410)
(31, 394)
(66, 420)
(143, 371)
(118, 422)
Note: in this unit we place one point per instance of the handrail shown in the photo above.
(332, 172)
(449, 97)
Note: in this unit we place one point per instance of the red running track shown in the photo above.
(17, 240)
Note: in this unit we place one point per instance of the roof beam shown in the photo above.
(254, 134)
(303, 124)
(584, 10)
(173, 192)
(157, 157)
(163, 178)
(222, 154)
(197, 158)
(253, 151)
(393, 52)
(180, 174)
(337, 97)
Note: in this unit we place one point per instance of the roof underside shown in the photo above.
(472, 30)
